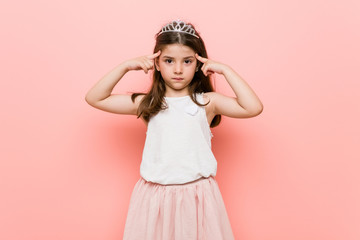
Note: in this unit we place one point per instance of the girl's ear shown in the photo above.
(157, 64)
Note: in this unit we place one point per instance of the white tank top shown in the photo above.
(178, 143)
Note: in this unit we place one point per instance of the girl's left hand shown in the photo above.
(210, 66)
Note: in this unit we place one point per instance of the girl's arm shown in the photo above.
(99, 96)
(245, 105)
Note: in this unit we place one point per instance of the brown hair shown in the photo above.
(153, 101)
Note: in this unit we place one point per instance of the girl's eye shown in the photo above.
(188, 61)
(168, 60)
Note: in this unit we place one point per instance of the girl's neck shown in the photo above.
(177, 96)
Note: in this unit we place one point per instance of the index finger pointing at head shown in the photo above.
(155, 55)
(201, 59)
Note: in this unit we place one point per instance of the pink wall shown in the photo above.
(67, 169)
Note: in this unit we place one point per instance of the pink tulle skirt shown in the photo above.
(190, 211)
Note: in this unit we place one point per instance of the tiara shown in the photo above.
(179, 26)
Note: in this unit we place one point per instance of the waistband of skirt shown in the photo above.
(201, 179)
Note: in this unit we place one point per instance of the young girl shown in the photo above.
(177, 196)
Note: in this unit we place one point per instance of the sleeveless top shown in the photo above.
(177, 148)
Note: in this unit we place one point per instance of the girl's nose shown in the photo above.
(178, 68)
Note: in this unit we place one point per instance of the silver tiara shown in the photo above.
(179, 26)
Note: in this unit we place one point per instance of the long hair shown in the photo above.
(153, 102)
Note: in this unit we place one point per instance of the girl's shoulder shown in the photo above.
(209, 96)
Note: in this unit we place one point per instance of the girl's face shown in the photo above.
(177, 64)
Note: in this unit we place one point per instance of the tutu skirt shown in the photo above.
(190, 211)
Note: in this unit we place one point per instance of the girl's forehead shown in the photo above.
(177, 50)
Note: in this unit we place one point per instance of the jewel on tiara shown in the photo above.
(178, 26)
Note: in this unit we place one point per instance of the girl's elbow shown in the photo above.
(257, 112)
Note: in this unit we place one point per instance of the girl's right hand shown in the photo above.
(144, 62)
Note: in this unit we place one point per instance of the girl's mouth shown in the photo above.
(178, 78)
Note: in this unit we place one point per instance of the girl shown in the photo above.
(177, 196)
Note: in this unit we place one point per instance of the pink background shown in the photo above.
(67, 169)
